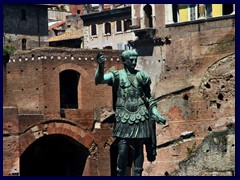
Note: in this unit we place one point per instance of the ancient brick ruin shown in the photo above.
(32, 85)
(193, 81)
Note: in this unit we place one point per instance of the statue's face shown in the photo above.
(131, 62)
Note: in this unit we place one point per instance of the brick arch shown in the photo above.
(56, 127)
(70, 66)
(83, 77)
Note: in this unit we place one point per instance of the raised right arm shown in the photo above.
(100, 77)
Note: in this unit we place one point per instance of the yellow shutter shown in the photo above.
(216, 10)
(183, 13)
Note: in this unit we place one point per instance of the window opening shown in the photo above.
(119, 26)
(148, 15)
(208, 10)
(127, 24)
(23, 15)
(175, 12)
(69, 81)
(24, 44)
(107, 28)
(119, 46)
(107, 47)
(94, 29)
(192, 9)
(227, 9)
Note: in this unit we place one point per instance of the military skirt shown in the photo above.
(131, 124)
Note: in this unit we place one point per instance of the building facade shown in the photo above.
(108, 28)
(54, 115)
(190, 62)
(25, 26)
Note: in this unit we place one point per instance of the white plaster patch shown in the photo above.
(97, 125)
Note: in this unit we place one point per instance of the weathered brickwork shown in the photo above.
(32, 82)
(217, 148)
(195, 84)
(193, 80)
(10, 140)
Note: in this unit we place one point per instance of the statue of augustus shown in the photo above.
(135, 110)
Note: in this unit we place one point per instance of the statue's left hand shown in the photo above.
(159, 119)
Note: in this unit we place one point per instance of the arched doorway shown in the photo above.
(54, 155)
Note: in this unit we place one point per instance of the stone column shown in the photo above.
(201, 9)
(169, 14)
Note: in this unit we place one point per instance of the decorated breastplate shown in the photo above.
(129, 106)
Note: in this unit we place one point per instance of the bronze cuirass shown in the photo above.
(129, 106)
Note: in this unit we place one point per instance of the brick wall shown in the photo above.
(194, 80)
(10, 141)
(193, 77)
(32, 87)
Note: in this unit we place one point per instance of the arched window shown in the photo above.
(69, 80)
(148, 15)
(24, 44)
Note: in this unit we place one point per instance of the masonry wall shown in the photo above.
(32, 88)
(75, 8)
(10, 141)
(207, 159)
(193, 79)
(34, 29)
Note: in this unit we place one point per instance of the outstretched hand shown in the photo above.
(159, 119)
(100, 59)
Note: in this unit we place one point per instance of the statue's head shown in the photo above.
(129, 53)
(129, 58)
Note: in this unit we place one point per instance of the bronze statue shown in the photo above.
(135, 111)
